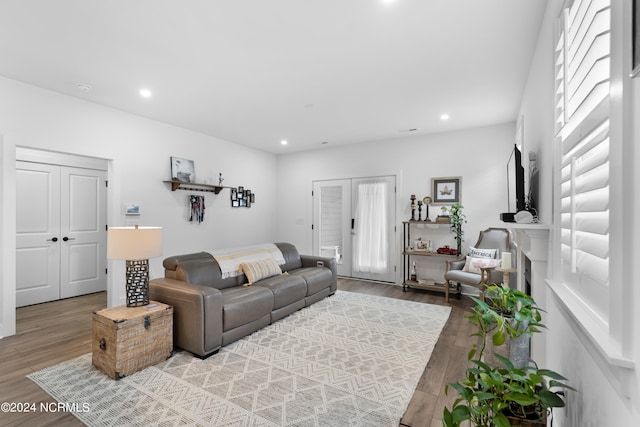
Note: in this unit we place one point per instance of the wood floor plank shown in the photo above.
(53, 332)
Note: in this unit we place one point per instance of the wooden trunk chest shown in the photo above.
(128, 339)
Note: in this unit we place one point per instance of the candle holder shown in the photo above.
(419, 210)
(427, 201)
(413, 207)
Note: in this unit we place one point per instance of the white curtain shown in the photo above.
(371, 247)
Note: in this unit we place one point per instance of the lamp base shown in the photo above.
(137, 283)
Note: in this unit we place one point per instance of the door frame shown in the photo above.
(67, 161)
(396, 241)
(9, 146)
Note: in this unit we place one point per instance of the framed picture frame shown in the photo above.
(446, 191)
(635, 41)
(182, 170)
(132, 209)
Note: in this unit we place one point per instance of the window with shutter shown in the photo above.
(583, 208)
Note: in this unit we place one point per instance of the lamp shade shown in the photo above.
(134, 243)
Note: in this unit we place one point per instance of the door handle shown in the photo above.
(55, 239)
(65, 238)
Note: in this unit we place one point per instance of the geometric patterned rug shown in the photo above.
(348, 360)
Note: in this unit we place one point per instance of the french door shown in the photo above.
(60, 232)
(354, 221)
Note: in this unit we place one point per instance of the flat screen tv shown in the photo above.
(515, 185)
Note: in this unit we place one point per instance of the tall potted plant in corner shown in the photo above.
(456, 219)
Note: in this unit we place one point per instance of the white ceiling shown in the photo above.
(255, 72)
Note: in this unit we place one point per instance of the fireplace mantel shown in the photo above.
(532, 240)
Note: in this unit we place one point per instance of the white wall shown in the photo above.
(478, 155)
(139, 151)
(607, 395)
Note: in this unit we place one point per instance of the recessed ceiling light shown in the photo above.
(145, 93)
(83, 87)
(284, 142)
(444, 117)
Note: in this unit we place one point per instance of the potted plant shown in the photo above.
(505, 396)
(496, 392)
(456, 219)
(504, 315)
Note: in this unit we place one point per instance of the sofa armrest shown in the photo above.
(197, 314)
(330, 263)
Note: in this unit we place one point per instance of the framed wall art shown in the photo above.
(446, 191)
(242, 197)
(182, 170)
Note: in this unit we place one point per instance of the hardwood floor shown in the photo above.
(53, 332)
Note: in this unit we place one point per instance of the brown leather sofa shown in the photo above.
(210, 312)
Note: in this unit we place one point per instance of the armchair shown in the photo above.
(491, 238)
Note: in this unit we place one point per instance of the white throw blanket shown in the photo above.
(229, 259)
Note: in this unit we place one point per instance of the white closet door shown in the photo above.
(37, 233)
(82, 230)
(61, 235)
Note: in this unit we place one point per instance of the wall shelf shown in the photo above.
(192, 186)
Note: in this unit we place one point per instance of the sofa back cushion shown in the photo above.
(206, 272)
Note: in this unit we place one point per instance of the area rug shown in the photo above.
(348, 360)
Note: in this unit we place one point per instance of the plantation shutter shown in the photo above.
(582, 126)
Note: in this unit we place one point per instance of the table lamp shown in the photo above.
(135, 245)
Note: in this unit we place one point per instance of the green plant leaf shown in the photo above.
(460, 413)
(551, 400)
(471, 354)
(498, 338)
(501, 420)
(447, 418)
(520, 399)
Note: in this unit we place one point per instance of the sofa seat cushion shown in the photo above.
(463, 277)
(244, 304)
(286, 289)
(317, 278)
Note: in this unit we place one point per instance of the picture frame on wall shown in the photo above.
(182, 170)
(446, 191)
(132, 209)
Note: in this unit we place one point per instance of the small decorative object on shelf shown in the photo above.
(182, 170)
(427, 202)
(413, 272)
(413, 207)
(443, 219)
(220, 179)
(419, 210)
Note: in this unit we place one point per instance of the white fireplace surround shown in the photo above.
(532, 243)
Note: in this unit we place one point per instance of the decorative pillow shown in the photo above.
(482, 253)
(473, 265)
(257, 270)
